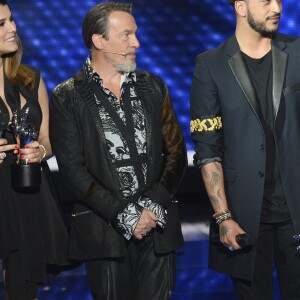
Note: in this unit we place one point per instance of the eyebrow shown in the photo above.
(129, 31)
(9, 17)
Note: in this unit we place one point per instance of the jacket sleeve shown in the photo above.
(67, 143)
(174, 155)
(206, 121)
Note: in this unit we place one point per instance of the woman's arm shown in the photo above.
(38, 150)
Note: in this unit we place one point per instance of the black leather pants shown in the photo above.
(140, 275)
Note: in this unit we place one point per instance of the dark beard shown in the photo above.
(260, 26)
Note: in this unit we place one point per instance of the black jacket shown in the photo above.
(222, 89)
(85, 164)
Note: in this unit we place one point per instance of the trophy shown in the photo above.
(24, 174)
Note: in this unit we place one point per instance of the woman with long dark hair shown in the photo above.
(32, 231)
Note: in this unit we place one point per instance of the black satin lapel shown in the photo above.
(147, 92)
(240, 72)
(279, 59)
(87, 94)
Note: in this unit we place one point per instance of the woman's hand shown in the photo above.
(32, 152)
(4, 147)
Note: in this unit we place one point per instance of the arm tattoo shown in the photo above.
(214, 179)
(224, 230)
(214, 201)
(218, 166)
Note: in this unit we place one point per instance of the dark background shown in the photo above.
(171, 33)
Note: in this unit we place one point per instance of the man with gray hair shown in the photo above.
(245, 124)
(120, 148)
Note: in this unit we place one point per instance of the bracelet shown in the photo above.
(44, 150)
(222, 216)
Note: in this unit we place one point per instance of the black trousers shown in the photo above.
(275, 245)
(140, 275)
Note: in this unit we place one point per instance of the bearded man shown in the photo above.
(245, 122)
(120, 148)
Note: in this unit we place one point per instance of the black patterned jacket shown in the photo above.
(85, 165)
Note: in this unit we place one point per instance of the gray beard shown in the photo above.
(125, 68)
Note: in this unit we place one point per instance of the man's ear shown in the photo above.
(240, 8)
(97, 40)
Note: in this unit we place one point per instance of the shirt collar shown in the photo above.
(92, 74)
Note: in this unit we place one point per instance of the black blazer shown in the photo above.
(85, 164)
(222, 91)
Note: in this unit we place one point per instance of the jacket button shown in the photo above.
(261, 174)
(262, 147)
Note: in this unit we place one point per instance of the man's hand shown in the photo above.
(229, 229)
(145, 224)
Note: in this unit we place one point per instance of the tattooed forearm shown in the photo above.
(215, 202)
(204, 172)
(212, 174)
(218, 166)
(214, 180)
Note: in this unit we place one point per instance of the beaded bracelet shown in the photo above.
(222, 216)
(44, 150)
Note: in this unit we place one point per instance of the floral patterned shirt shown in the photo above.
(119, 150)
